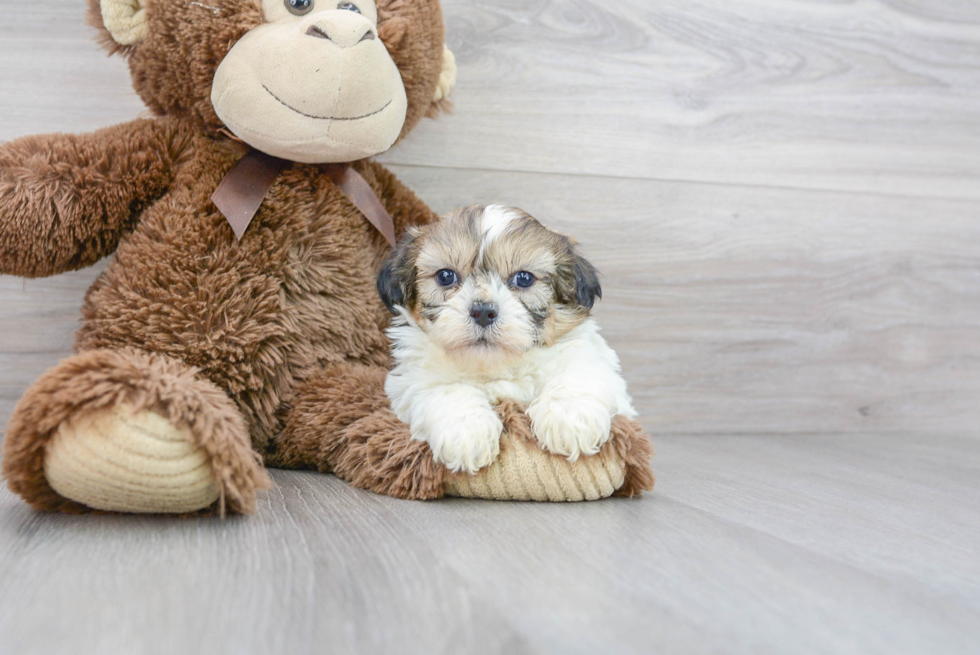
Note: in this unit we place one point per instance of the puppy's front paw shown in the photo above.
(465, 442)
(570, 426)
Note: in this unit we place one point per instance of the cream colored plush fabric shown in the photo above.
(447, 78)
(125, 20)
(523, 471)
(115, 460)
(315, 101)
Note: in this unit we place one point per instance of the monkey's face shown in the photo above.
(313, 84)
(314, 81)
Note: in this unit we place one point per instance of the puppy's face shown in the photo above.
(489, 283)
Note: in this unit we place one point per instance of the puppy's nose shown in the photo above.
(484, 313)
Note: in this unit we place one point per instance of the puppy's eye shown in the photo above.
(349, 6)
(446, 277)
(299, 7)
(522, 280)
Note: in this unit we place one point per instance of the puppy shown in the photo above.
(489, 304)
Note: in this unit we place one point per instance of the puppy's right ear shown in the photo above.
(396, 281)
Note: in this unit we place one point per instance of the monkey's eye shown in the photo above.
(299, 7)
(349, 6)
(522, 279)
(446, 277)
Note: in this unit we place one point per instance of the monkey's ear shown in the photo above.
(396, 280)
(123, 20)
(447, 78)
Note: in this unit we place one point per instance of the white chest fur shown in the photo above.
(571, 391)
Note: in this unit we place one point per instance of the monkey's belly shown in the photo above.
(256, 328)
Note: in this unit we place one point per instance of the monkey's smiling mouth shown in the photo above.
(324, 118)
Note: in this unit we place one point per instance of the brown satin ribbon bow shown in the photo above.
(241, 193)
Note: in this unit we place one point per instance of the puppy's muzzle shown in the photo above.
(483, 313)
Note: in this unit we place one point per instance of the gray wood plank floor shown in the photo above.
(805, 544)
(784, 199)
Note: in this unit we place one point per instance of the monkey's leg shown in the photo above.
(127, 431)
(340, 422)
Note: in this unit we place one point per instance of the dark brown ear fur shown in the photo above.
(577, 281)
(587, 287)
(396, 281)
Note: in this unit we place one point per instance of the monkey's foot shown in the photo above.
(525, 471)
(341, 422)
(128, 431)
(122, 460)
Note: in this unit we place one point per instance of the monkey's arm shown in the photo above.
(65, 199)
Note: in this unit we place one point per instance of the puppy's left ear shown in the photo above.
(587, 287)
(577, 281)
(396, 281)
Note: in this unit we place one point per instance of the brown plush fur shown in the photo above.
(66, 200)
(234, 340)
(258, 316)
(341, 423)
(634, 447)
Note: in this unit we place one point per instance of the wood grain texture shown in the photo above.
(809, 544)
(55, 78)
(860, 96)
(783, 200)
(767, 310)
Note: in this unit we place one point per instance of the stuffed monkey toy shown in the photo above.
(237, 325)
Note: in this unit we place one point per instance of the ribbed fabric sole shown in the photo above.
(523, 471)
(115, 460)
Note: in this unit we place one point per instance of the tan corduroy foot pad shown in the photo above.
(118, 461)
(523, 471)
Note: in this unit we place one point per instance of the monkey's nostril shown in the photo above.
(317, 32)
(341, 37)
